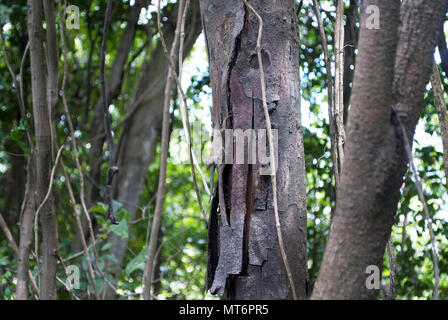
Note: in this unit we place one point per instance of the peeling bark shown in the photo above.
(245, 261)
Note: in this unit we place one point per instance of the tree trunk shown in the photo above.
(245, 261)
(26, 233)
(43, 151)
(392, 71)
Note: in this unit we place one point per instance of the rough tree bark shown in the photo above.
(47, 285)
(245, 261)
(392, 71)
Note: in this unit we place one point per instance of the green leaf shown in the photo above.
(137, 262)
(16, 134)
(120, 229)
(106, 246)
(100, 208)
(116, 205)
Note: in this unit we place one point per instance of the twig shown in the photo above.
(112, 170)
(22, 63)
(182, 93)
(85, 251)
(407, 147)
(339, 80)
(28, 193)
(152, 247)
(13, 244)
(76, 255)
(66, 286)
(18, 87)
(439, 101)
(11, 71)
(333, 138)
(183, 108)
(271, 152)
(81, 177)
(8, 233)
(392, 270)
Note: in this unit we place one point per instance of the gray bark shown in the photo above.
(245, 261)
(393, 69)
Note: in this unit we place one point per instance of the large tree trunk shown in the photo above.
(245, 261)
(392, 71)
(141, 132)
(42, 152)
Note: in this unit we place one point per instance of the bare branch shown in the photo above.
(418, 185)
(13, 244)
(187, 121)
(339, 80)
(333, 137)
(110, 140)
(392, 270)
(439, 102)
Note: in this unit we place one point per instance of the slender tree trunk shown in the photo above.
(245, 260)
(439, 101)
(26, 233)
(393, 69)
(339, 36)
(47, 285)
(52, 65)
(350, 46)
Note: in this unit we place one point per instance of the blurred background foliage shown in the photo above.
(181, 268)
